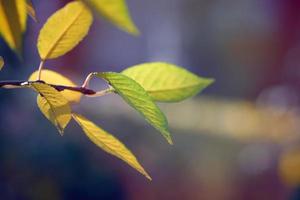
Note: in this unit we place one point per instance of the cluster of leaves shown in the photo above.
(13, 17)
(141, 86)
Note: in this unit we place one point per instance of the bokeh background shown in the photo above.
(238, 140)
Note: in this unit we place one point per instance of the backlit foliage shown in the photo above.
(139, 86)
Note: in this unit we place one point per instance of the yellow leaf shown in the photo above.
(116, 11)
(31, 10)
(22, 14)
(13, 22)
(64, 30)
(1, 62)
(52, 77)
(53, 105)
(108, 143)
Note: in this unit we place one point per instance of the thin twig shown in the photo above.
(102, 93)
(20, 84)
(82, 90)
(40, 69)
(87, 80)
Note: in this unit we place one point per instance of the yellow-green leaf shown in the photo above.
(167, 82)
(139, 99)
(108, 143)
(53, 105)
(1, 62)
(13, 22)
(64, 30)
(31, 10)
(52, 77)
(116, 11)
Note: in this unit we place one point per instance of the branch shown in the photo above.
(20, 84)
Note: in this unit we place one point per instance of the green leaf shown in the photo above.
(116, 11)
(139, 99)
(167, 82)
(53, 105)
(108, 143)
(64, 30)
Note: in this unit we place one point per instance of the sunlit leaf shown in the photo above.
(13, 22)
(166, 82)
(116, 11)
(1, 62)
(139, 99)
(52, 77)
(108, 143)
(64, 30)
(31, 10)
(53, 105)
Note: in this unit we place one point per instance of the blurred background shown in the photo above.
(238, 140)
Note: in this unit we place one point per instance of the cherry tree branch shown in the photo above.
(83, 90)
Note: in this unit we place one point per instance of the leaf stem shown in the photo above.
(40, 69)
(87, 80)
(99, 93)
(102, 93)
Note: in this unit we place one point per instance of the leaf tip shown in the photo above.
(170, 141)
(210, 81)
(31, 11)
(168, 137)
(148, 177)
(143, 171)
(135, 31)
(61, 131)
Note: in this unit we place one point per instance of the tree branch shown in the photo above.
(20, 84)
